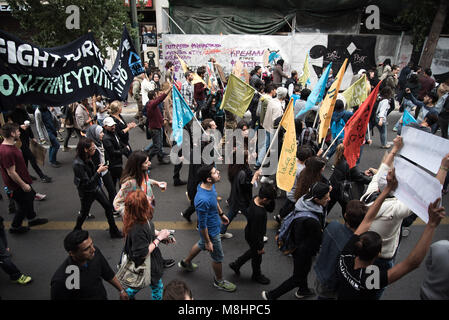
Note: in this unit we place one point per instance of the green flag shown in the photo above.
(356, 93)
(237, 97)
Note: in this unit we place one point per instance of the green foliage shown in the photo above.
(419, 15)
(45, 21)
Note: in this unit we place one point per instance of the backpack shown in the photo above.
(336, 127)
(372, 118)
(284, 233)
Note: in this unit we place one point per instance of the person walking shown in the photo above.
(45, 123)
(87, 181)
(209, 217)
(17, 179)
(121, 127)
(70, 124)
(142, 239)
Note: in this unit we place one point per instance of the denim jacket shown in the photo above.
(335, 237)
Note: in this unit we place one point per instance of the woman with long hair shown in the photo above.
(95, 133)
(87, 180)
(312, 173)
(242, 179)
(341, 173)
(142, 239)
(135, 176)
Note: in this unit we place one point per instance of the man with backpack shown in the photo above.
(301, 234)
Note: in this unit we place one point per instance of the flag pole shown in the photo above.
(316, 117)
(369, 134)
(271, 145)
(332, 142)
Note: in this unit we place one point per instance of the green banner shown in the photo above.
(237, 97)
(356, 93)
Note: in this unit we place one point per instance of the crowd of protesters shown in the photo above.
(108, 170)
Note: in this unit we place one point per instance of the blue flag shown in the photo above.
(318, 92)
(407, 118)
(182, 114)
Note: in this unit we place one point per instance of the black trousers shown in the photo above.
(24, 206)
(5, 257)
(86, 203)
(302, 264)
(286, 208)
(69, 134)
(336, 197)
(110, 186)
(177, 168)
(28, 156)
(190, 210)
(256, 260)
(116, 174)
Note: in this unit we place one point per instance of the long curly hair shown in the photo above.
(309, 175)
(133, 167)
(137, 210)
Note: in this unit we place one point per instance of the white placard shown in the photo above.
(416, 188)
(424, 148)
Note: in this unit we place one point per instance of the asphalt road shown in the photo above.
(40, 251)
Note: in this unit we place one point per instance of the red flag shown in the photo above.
(355, 128)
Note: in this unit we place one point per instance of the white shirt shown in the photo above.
(146, 87)
(274, 111)
(382, 110)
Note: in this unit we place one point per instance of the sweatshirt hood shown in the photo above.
(308, 206)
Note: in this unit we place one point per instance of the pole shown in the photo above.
(332, 142)
(173, 21)
(135, 24)
(271, 145)
(316, 118)
(369, 134)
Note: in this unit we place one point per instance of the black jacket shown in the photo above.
(342, 172)
(113, 149)
(86, 179)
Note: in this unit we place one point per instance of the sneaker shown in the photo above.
(168, 263)
(46, 179)
(23, 280)
(37, 221)
(300, 294)
(265, 238)
(261, 279)
(55, 165)
(265, 295)
(226, 235)
(386, 146)
(185, 217)
(40, 197)
(179, 182)
(187, 267)
(395, 129)
(235, 268)
(60, 139)
(19, 230)
(116, 234)
(225, 285)
(66, 149)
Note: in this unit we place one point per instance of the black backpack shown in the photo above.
(372, 118)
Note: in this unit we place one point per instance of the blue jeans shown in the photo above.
(156, 291)
(54, 147)
(263, 151)
(217, 254)
(231, 215)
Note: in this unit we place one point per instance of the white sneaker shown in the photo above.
(39, 196)
(226, 235)
(265, 238)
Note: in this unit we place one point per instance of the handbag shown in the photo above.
(134, 277)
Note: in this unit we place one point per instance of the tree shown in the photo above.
(46, 21)
(426, 18)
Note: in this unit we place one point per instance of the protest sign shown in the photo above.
(423, 148)
(66, 74)
(416, 188)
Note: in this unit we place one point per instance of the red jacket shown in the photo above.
(154, 115)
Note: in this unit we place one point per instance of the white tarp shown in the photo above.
(416, 188)
(424, 148)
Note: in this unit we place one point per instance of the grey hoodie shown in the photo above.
(307, 205)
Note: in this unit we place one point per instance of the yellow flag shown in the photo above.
(185, 68)
(356, 93)
(305, 72)
(286, 172)
(327, 107)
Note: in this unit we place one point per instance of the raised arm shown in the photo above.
(415, 257)
(392, 183)
(444, 168)
(397, 145)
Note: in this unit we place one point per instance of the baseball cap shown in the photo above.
(108, 121)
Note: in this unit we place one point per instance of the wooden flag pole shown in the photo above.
(271, 145)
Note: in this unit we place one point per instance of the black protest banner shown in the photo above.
(62, 75)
